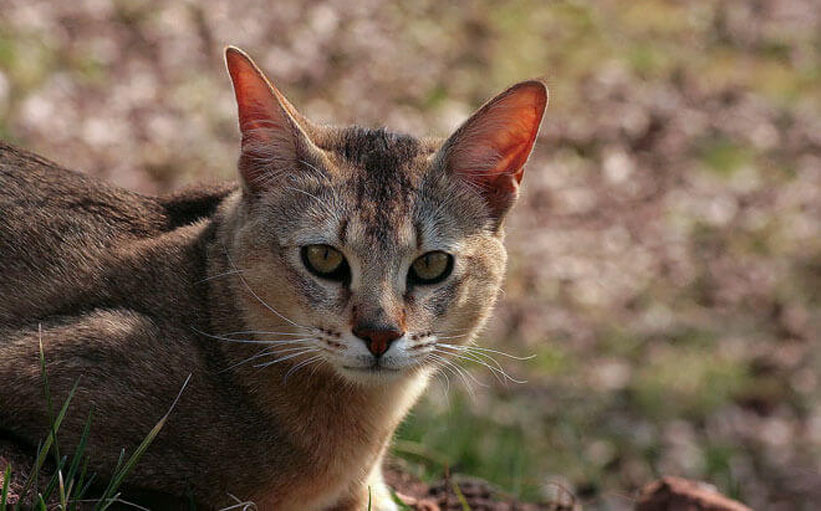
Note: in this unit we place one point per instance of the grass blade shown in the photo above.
(62, 488)
(47, 390)
(399, 503)
(44, 448)
(109, 490)
(52, 483)
(79, 452)
(4, 495)
(460, 496)
(121, 474)
(84, 487)
(34, 476)
(55, 426)
(44, 375)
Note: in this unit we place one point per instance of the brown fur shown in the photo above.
(126, 292)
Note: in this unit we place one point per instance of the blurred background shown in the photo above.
(666, 253)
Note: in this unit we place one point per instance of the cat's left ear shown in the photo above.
(490, 149)
(274, 134)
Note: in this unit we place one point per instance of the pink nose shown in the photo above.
(378, 340)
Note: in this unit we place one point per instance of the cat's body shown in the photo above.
(131, 294)
(124, 322)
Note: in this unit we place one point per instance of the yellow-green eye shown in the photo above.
(325, 261)
(431, 268)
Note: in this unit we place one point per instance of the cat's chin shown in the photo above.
(372, 375)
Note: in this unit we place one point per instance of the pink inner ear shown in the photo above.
(256, 103)
(269, 135)
(516, 143)
(498, 139)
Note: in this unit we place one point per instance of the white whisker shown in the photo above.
(219, 275)
(260, 353)
(494, 371)
(444, 369)
(464, 375)
(252, 341)
(451, 335)
(264, 353)
(442, 378)
(260, 332)
(494, 366)
(481, 357)
(269, 343)
(317, 366)
(287, 357)
(296, 368)
(488, 350)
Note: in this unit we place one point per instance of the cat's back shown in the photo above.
(61, 231)
(45, 203)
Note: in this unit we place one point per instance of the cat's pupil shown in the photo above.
(326, 262)
(431, 268)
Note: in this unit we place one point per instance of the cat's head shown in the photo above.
(372, 251)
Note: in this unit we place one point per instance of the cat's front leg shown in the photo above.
(373, 490)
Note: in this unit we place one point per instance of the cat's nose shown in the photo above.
(378, 340)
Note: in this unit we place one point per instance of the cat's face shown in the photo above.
(382, 260)
(377, 254)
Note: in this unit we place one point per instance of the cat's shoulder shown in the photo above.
(195, 202)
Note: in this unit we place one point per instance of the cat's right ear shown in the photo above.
(273, 137)
(489, 151)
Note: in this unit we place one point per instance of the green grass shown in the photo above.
(687, 383)
(458, 439)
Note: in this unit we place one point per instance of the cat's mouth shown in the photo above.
(374, 369)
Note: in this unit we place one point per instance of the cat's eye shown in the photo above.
(325, 261)
(431, 268)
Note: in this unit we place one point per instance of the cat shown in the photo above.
(309, 303)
